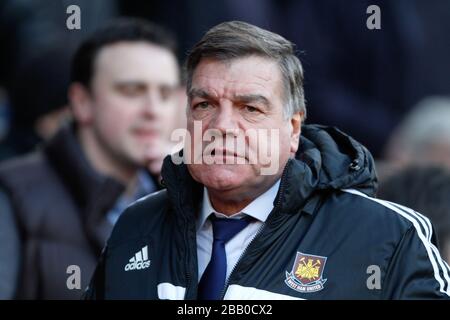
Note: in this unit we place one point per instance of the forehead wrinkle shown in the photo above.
(265, 79)
(229, 88)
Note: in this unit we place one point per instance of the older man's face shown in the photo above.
(235, 98)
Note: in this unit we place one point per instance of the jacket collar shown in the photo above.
(94, 194)
(85, 184)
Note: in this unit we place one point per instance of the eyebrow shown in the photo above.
(200, 93)
(246, 98)
(142, 84)
(129, 82)
(249, 98)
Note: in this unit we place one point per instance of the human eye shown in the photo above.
(202, 105)
(251, 109)
(131, 90)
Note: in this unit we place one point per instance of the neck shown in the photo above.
(103, 162)
(228, 208)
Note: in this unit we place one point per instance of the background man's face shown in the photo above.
(245, 93)
(134, 99)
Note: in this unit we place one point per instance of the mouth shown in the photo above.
(145, 133)
(226, 154)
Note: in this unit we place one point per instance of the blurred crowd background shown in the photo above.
(388, 88)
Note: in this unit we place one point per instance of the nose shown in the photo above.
(150, 104)
(225, 119)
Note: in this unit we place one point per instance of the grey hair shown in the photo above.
(236, 39)
(427, 123)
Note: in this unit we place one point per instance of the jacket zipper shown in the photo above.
(188, 275)
(187, 262)
(225, 288)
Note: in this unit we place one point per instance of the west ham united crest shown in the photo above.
(307, 273)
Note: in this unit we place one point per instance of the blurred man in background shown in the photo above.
(425, 189)
(58, 205)
(422, 138)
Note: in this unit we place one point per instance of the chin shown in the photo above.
(221, 177)
(136, 159)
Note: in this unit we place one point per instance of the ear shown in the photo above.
(296, 124)
(81, 103)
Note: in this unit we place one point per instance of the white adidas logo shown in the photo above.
(139, 261)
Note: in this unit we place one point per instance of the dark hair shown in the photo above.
(426, 190)
(119, 30)
(236, 39)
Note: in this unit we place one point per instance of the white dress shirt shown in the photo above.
(259, 209)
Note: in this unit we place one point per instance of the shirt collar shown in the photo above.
(145, 184)
(259, 208)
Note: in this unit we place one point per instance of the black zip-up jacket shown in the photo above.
(326, 237)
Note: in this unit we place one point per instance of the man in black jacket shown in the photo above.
(258, 206)
(59, 204)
